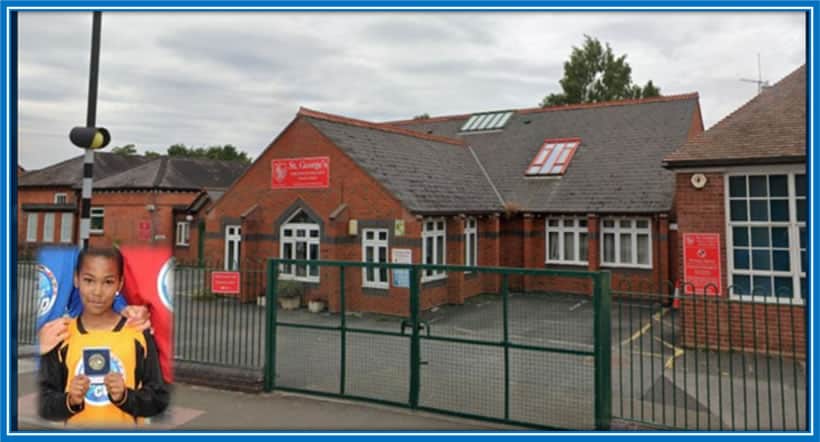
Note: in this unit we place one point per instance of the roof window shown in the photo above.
(554, 157)
(487, 121)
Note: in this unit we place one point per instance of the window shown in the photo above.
(471, 242)
(554, 157)
(31, 227)
(97, 219)
(487, 121)
(233, 244)
(767, 236)
(627, 242)
(183, 232)
(567, 241)
(60, 198)
(374, 249)
(299, 239)
(66, 227)
(48, 227)
(433, 236)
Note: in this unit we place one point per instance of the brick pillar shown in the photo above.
(663, 253)
(594, 242)
(527, 248)
(455, 256)
(491, 254)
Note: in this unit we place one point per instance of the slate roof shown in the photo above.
(174, 173)
(617, 167)
(428, 174)
(770, 128)
(70, 172)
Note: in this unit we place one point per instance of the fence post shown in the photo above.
(270, 325)
(415, 345)
(602, 303)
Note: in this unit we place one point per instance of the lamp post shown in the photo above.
(90, 137)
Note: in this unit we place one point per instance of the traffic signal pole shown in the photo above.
(88, 163)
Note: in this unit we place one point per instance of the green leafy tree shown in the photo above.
(424, 116)
(594, 74)
(226, 152)
(128, 149)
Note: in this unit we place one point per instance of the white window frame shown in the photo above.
(633, 231)
(470, 239)
(233, 234)
(32, 223)
(66, 227)
(793, 225)
(96, 212)
(183, 233)
(376, 244)
(438, 230)
(58, 196)
(312, 234)
(576, 230)
(49, 220)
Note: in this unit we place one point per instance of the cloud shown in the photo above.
(210, 78)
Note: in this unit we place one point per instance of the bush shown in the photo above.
(287, 288)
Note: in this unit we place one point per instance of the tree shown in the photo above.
(593, 74)
(128, 149)
(424, 116)
(226, 152)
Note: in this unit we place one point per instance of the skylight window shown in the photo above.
(487, 121)
(554, 157)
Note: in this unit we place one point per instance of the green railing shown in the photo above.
(484, 342)
(708, 361)
(27, 301)
(219, 329)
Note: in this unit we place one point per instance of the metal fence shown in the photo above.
(27, 301)
(217, 328)
(700, 361)
(510, 353)
(523, 346)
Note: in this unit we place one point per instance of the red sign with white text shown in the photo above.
(225, 282)
(701, 263)
(300, 173)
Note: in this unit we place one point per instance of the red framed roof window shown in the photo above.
(553, 157)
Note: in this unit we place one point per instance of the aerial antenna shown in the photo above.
(760, 82)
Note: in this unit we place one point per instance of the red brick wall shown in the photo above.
(40, 196)
(700, 211)
(125, 210)
(743, 326)
(623, 279)
(366, 201)
(707, 321)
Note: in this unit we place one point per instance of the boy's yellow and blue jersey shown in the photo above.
(132, 353)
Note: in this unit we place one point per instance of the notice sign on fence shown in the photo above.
(300, 173)
(225, 282)
(401, 277)
(701, 263)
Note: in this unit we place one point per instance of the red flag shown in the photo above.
(149, 281)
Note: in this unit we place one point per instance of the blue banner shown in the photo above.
(55, 274)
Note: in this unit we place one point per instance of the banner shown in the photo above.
(149, 280)
(55, 279)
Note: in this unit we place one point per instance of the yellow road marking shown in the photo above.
(657, 317)
(677, 352)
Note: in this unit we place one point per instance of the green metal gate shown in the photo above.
(511, 352)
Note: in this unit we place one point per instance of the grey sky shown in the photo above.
(210, 78)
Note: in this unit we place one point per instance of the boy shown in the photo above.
(129, 384)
